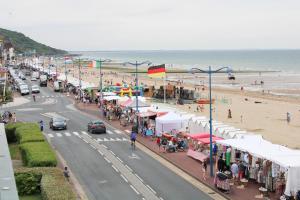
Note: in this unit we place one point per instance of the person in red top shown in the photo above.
(158, 142)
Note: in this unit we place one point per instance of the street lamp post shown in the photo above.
(79, 76)
(210, 72)
(136, 64)
(100, 73)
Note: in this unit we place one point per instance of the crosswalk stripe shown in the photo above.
(59, 134)
(124, 139)
(67, 134)
(118, 131)
(47, 96)
(99, 140)
(128, 131)
(105, 139)
(118, 139)
(50, 135)
(109, 132)
(83, 132)
(112, 139)
(75, 133)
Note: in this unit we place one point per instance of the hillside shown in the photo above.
(24, 44)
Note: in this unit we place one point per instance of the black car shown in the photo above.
(58, 124)
(96, 127)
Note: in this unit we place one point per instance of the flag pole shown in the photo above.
(165, 89)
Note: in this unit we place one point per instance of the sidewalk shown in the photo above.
(181, 160)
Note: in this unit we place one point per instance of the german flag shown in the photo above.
(157, 71)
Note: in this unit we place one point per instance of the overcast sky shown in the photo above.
(156, 24)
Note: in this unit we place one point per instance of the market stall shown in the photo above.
(168, 122)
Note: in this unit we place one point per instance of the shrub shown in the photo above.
(29, 132)
(53, 185)
(28, 183)
(10, 131)
(38, 154)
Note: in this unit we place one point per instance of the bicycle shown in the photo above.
(133, 144)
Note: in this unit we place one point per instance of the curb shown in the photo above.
(168, 160)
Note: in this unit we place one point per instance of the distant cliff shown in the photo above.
(23, 44)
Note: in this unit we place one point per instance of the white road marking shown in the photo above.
(139, 177)
(124, 139)
(47, 96)
(151, 189)
(124, 178)
(52, 96)
(101, 152)
(112, 152)
(75, 133)
(118, 131)
(161, 198)
(128, 168)
(109, 132)
(104, 146)
(59, 135)
(127, 131)
(67, 134)
(54, 114)
(105, 139)
(93, 146)
(99, 140)
(107, 160)
(50, 135)
(85, 141)
(119, 159)
(111, 139)
(134, 190)
(118, 139)
(83, 132)
(115, 168)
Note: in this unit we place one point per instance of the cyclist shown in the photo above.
(133, 138)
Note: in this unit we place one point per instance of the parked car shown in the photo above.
(24, 89)
(96, 127)
(57, 123)
(27, 73)
(35, 89)
(33, 78)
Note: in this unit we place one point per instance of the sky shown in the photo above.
(156, 24)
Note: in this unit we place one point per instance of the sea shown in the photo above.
(280, 69)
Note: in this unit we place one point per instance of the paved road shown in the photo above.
(105, 165)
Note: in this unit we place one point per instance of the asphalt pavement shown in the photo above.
(105, 165)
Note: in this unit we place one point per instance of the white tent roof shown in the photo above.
(110, 98)
(170, 117)
(109, 94)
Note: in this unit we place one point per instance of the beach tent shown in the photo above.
(207, 125)
(220, 130)
(226, 132)
(140, 104)
(283, 156)
(110, 98)
(168, 122)
(197, 126)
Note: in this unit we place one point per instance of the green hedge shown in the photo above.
(10, 131)
(53, 185)
(28, 183)
(29, 132)
(38, 154)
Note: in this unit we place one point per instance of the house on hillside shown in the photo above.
(7, 51)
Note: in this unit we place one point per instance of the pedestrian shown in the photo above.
(41, 125)
(229, 114)
(235, 171)
(158, 142)
(241, 118)
(288, 117)
(204, 168)
(66, 173)
(197, 108)
(14, 117)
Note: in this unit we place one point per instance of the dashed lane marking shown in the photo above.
(124, 178)
(107, 160)
(139, 177)
(112, 152)
(115, 168)
(58, 134)
(101, 152)
(67, 134)
(119, 159)
(148, 186)
(128, 168)
(134, 190)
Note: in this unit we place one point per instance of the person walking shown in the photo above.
(41, 125)
(229, 114)
(204, 168)
(158, 142)
(235, 171)
(66, 173)
(288, 117)
(14, 117)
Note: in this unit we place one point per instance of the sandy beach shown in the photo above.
(267, 118)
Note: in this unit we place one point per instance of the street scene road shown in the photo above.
(105, 164)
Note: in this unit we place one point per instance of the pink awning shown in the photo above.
(207, 141)
(198, 135)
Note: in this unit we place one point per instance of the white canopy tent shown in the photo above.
(111, 98)
(168, 122)
(283, 156)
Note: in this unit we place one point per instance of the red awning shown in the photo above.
(206, 140)
(147, 114)
(198, 135)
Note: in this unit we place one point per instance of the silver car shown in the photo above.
(35, 89)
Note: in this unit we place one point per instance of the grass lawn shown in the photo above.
(31, 197)
(14, 151)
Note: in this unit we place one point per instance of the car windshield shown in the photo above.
(97, 122)
(58, 120)
(35, 87)
(23, 86)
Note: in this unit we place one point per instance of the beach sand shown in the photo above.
(267, 118)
